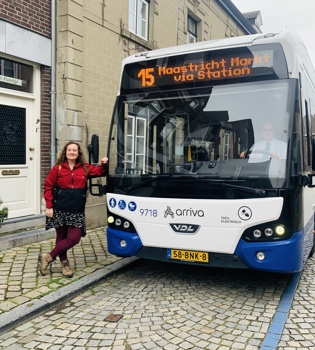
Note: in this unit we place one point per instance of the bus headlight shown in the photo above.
(257, 233)
(268, 232)
(119, 223)
(126, 224)
(280, 230)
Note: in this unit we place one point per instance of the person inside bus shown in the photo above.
(268, 147)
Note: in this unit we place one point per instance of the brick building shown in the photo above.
(82, 43)
(25, 77)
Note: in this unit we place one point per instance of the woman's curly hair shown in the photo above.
(63, 155)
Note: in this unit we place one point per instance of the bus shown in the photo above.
(185, 184)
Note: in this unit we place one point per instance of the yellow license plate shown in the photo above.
(188, 255)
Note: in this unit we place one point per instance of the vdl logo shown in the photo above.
(185, 229)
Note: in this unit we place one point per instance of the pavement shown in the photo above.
(24, 293)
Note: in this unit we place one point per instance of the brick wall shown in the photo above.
(31, 14)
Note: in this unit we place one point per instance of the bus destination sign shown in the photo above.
(198, 68)
(227, 67)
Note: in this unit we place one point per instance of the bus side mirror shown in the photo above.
(93, 149)
(96, 189)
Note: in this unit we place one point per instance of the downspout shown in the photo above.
(177, 21)
(53, 86)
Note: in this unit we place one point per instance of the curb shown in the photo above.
(25, 312)
(27, 237)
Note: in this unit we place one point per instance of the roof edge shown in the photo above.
(234, 12)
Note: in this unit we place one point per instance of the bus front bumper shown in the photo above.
(282, 256)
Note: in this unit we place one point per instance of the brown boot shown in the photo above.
(65, 268)
(45, 259)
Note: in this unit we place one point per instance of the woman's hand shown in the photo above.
(104, 160)
(49, 212)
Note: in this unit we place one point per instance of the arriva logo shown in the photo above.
(190, 212)
(185, 229)
(183, 212)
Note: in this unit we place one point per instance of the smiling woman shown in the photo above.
(65, 195)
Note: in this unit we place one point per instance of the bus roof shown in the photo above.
(292, 45)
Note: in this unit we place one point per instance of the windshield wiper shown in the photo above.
(258, 191)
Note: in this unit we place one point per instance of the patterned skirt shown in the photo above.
(61, 218)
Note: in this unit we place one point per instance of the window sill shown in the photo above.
(150, 45)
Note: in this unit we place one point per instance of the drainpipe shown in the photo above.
(177, 20)
(53, 86)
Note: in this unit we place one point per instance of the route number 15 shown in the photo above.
(147, 77)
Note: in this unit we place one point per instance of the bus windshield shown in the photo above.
(227, 132)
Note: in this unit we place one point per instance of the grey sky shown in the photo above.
(280, 15)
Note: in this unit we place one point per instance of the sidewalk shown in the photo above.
(24, 293)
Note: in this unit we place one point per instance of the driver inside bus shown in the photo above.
(268, 147)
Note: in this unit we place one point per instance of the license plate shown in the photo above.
(188, 255)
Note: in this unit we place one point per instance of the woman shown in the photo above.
(65, 195)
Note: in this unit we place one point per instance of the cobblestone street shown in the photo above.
(152, 305)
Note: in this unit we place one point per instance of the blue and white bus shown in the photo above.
(185, 183)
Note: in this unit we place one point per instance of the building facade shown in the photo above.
(77, 47)
(25, 70)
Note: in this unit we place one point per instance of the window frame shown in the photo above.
(15, 75)
(134, 136)
(190, 33)
(137, 23)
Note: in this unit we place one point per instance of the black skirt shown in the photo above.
(61, 218)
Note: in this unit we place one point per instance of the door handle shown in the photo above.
(32, 149)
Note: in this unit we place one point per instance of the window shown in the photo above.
(15, 76)
(191, 30)
(136, 142)
(138, 17)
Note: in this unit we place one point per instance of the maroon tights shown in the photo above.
(66, 238)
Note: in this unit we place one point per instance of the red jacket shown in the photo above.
(65, 189)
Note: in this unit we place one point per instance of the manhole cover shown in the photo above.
(113, 318)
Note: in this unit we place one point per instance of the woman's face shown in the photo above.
(72, 152)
